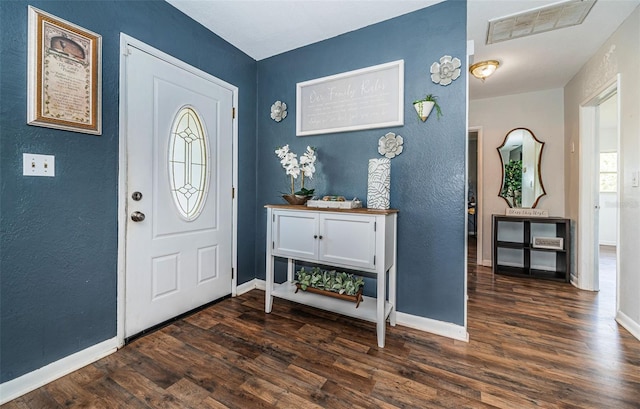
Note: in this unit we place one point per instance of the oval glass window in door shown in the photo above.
(188, 153)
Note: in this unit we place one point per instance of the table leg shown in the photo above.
(291, 268)
(381, 322)
(268, 298)
(392, 295)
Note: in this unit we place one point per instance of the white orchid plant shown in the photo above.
(305, 167)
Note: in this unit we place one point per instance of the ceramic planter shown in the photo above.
(296, 200)
(423, 108)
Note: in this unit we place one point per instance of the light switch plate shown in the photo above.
(38, 165)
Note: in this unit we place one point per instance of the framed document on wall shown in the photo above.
(64, 75)
(367, 98)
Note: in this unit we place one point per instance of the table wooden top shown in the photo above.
(362, 210)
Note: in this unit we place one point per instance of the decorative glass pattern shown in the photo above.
(188, 163)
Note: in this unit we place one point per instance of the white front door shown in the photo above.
(179, 202)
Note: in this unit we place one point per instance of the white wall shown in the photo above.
(608, 223)
(543, 113)
(619, 54)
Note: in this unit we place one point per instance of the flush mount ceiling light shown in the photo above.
(483, 69)
(538, 20)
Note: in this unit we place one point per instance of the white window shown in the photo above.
(608, 171)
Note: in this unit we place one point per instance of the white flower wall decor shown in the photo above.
(446, 71)
(278, 111)
(390, 145)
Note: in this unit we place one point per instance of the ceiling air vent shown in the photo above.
(538, 20)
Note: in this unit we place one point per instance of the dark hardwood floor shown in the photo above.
(533, 344)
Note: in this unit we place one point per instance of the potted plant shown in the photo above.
(330, 283)
(425, 105)
(304, 167)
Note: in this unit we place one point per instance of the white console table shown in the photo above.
(358, 239)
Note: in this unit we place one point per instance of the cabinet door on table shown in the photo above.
(347, 240)
(293, 235)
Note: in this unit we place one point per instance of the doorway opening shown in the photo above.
(607, 135)
(474, 195)
(599, 220)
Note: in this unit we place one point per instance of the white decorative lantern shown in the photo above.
(379, 183)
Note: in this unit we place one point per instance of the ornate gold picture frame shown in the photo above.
(65, 75)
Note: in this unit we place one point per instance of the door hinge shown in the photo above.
(232, 273)
(127, 51)
(233, 193)
(374, 260)
(375, 226)
(233, 113)
(273, 244)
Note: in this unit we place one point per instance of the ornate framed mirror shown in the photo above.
(521, 153)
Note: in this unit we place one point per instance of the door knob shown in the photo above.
(137, 216)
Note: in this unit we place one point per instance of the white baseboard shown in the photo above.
(445, 329)
(35, 379)
(261, 284)
(487, 263)
(246, 287)
(629, 324)
(255, 284)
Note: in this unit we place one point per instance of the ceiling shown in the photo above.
(264, 28)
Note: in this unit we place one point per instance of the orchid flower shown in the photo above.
(293, 168)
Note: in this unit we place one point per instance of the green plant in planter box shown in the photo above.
(339, 282)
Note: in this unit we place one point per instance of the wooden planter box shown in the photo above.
(357, 298)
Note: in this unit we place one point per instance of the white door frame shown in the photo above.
(478, 130)
(587, 259)
(125, 41)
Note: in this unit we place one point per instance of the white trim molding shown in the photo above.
(445, 329)
(586, 269)
(35, 379)
(255, 284)
(629, 324)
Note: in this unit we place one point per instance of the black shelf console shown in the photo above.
(515, 252)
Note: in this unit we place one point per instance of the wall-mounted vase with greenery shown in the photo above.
(424, 106)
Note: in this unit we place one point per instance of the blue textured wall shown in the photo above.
(59, 235)
(427, 179)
